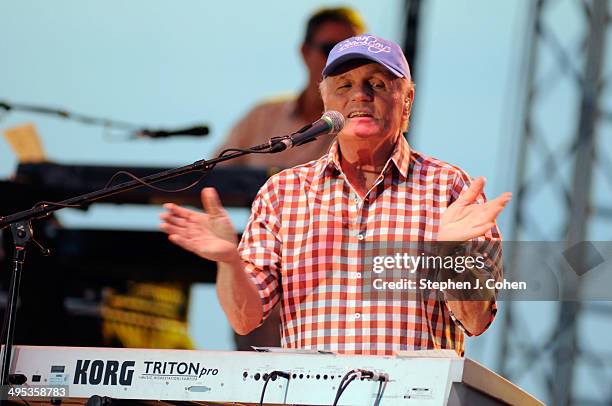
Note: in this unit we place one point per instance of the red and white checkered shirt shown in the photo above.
(303, 241)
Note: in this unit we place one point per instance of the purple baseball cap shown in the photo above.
(367, 46)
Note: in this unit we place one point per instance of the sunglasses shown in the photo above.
(324, 47)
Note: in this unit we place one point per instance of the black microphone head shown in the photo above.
(196, 131)
(335, 120)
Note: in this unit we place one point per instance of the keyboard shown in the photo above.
(290, 377)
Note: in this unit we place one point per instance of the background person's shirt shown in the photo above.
(269, 119)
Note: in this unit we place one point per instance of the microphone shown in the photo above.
(197, 131)
(330, 123)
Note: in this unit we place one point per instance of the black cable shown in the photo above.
(349, 377)
(263, 391)
(108, 184)
(150, 185)
(54, 204)
(378, 393)
(343, 388)
(382, 384)
(259, 149)
(250, 150)
(272, 375)
(226, 151)
(264, 148)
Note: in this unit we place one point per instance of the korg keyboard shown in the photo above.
(290, 377)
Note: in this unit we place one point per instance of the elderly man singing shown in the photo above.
(310, 223)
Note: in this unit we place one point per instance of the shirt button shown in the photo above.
(360, 236)
(357, 315)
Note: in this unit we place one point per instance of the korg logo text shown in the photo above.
(98, 372)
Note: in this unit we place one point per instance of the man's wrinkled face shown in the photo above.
(371, 99)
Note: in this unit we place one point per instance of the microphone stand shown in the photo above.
(138, 131)
(22, 232)
(81, 118)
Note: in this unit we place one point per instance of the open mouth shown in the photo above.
(355, 114)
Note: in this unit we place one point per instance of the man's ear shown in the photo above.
(408, 100)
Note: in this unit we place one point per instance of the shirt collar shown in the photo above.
(400, 157)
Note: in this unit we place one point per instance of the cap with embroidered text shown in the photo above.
(367, 46)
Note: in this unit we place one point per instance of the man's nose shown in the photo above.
(362, 93)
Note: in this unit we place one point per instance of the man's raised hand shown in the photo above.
(209, 234)
(464, 219)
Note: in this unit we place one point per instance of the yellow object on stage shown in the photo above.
(148, 315)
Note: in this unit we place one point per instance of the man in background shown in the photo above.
(281, 116)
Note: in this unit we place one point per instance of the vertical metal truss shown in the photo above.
(412, 18)
(563, 192)
(411, 32)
